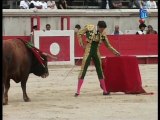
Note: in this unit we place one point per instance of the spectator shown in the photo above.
(77, 28)
(117, 31)
(32, 4)
(106, 4)
(150, 30)
(48, 27)
(151, 4)
(135, 4)
(51, 4)
(117, 4)
(35, 4)
(38, 4)
(44, 4)
(110, 4)
(32, 36)
(103, 4)
(144, 4)
(35, 27)
(24, 4)
(62, 4)
(142, 29)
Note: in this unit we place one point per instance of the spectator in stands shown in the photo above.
(35, 4)
(24, 4)
(142, 29)
(62, 4)
(38, 4)
(51, 4)
(150, 30)
(48, 27)
(35, 27)
(117, 4)
(106, 4)
(135, 4)
(117, 31)
(32, 4)
(103, 4)
(151, 4)
(143, 4)
(44, 4)
(77, 28)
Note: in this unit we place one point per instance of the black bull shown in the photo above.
(18, 62)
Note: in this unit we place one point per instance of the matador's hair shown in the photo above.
(101, 24)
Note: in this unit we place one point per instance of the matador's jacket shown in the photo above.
(93, 39)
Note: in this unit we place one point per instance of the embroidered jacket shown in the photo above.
(93, 35)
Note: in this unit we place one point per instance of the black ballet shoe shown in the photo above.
(108, 93)
(76, 95)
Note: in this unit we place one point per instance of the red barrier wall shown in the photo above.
(139, 45)
(126, 45)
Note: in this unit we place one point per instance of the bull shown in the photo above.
(19, 61)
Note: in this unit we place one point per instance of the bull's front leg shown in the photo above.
(23, 85)
(6, 87)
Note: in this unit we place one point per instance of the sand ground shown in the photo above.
(53, 98)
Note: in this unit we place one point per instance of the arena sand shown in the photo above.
(53, 98)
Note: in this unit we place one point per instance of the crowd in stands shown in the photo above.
(142, 30)
(105, 4)
(147, 4)
(117, 31)
(117, 4)
(42, 4)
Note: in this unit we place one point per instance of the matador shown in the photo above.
(91, 51)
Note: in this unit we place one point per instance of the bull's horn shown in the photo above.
(49, 55)
(44, 53)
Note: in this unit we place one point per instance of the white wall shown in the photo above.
(17, 22)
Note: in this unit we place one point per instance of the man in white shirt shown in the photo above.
(142, 29)
(44, 4)
(38, 4)
(24, 4)
(51, 4)
(117, 31)
(151, 4)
